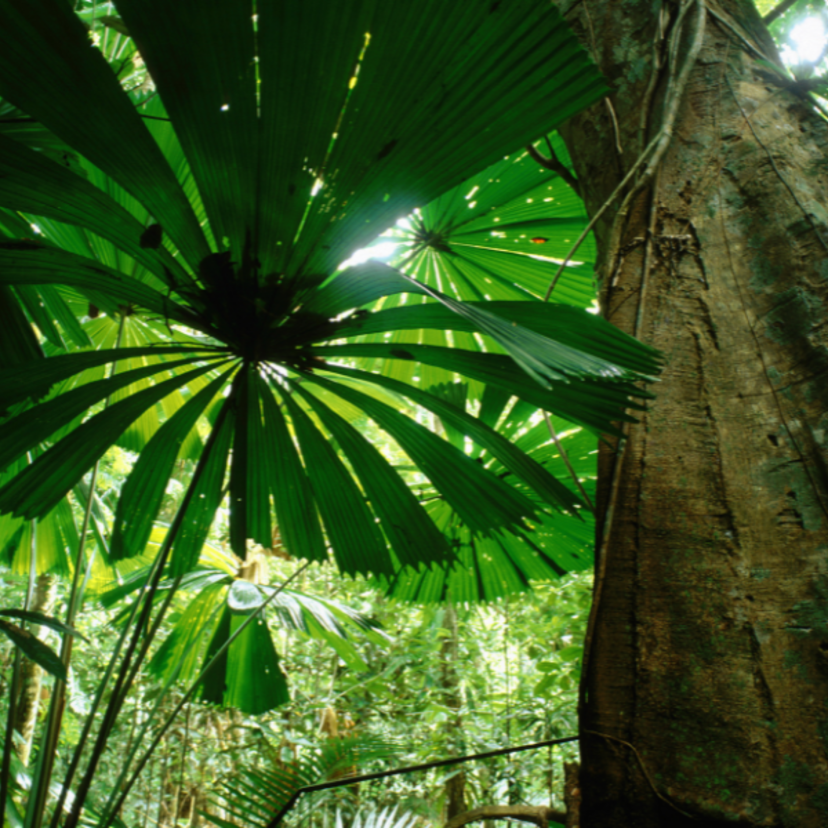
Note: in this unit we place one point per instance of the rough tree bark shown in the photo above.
(708, 673)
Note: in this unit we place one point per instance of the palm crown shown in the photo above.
(283, 137)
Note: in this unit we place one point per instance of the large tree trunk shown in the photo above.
(708, 674)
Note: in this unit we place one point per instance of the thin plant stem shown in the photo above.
(147, 641)
(600, 212)
(162, 778)
(186, 697)
(58, 700)
(148, 595)
(557, 441)
(145, 725)
(14, 688)
(87, 727)
(778, 10)
(180, 786)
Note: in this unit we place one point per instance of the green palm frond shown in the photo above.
(487, 568)
(219, 213)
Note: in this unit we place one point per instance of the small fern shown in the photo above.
(253, 796)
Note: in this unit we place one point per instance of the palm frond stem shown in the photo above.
(56, 706)
(565, 457)
(148, 596)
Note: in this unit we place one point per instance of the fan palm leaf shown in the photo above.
(295, 134)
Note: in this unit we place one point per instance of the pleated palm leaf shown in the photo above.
(487, 568)
(229, 226)
(456, 243)
(500, 235)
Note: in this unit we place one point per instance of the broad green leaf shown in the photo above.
(544, 359)
(514, 460)
(33, 648)
(407, 527)
(481, 68)
(356, 287)
(34, 379)
(207, 493)
(249, 496)
(258, 475)
(573, 327)
(589, 403)
(355, 539)
(49, 70)
(34, 425)
(180, 650)
(483, 501)
(296, 511)
(143, 492)
(244, 597)
(40, 486)
(501, 234)
(215, 112)
(33, 263)
(44, 620)
(248, 676)
(52, 539)
(30, 299)
(33, 183)
(18, 342)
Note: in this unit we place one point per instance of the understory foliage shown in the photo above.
(514, 673)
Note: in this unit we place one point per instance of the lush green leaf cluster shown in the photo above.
(175, 216)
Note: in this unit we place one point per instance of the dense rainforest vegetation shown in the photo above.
(314, 421)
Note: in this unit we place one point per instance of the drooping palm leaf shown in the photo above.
(30, 644)
(217, 599)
